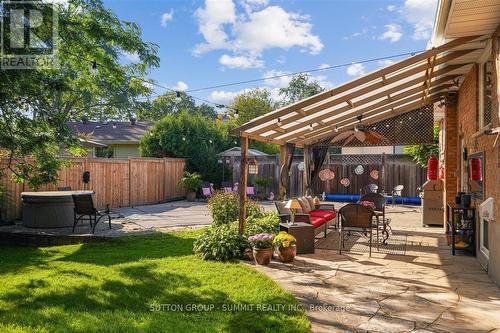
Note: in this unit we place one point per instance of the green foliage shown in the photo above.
(263, 183)
(36, 104)
(167, 104)
(225, 208)
(251, 104)
(220, 243)
(284, 239)
(191, 181)
(300, 87)
(421, 153)
(189, 136)
(267, 223)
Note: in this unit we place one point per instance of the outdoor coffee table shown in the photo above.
(304, 233)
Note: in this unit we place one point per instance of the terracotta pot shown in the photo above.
(287, 254)
(263, 256)
(191, 196)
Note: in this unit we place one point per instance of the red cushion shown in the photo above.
(317, 221)
(326, 214)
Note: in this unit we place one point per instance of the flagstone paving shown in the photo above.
(424, 290)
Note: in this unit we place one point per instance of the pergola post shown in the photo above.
(242, 187)
(282, 161)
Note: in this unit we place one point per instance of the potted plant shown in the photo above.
(263, 184)
(262, 245)
(285, 243)
(191, 181)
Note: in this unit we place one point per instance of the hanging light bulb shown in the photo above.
(400, 121)
(311, 127)
(183, 138)
(114, 124)
(93, 67)
(387, 125)
(279, 122)
(236, 114)
(210, 141)
(336, 129)
(177, 96)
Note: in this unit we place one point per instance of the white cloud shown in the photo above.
(420, 13)
(279, 82)
(167, 17)
(132, 57)
(180, 86)
(240, 62)
(385, 62)
(356, 34)
(281, 60)
(323, 66)
(391, 8)
(356, 70)
(249, 34)
(223, 97)
(392, 33)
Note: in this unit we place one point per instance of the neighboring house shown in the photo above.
(120, 139)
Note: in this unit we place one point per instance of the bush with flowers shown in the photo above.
(284, 239)
(261, 241)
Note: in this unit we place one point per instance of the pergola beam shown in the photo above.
(352, 84)
(365, 90)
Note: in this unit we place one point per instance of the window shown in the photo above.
(105, 152)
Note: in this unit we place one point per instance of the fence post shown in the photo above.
(130, 182)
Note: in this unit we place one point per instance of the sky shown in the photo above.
(210, 42)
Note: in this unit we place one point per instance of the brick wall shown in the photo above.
(467, 127)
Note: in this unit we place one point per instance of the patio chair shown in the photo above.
(370, 188)
(251, 191)
(355, 218)
(84, 207)
(397, 192)
(207, 190)
(379, 200)
(64, 188)
(227, 187)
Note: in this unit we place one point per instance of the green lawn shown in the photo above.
(111, 286)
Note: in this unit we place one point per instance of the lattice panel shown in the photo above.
(410, 128)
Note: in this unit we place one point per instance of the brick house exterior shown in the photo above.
(462, 132)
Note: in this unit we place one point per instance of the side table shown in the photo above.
(304, 233)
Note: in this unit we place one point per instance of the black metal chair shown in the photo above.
(380, 201)
(370, 188)
(64, 188)
(84, 207)
(355, 218)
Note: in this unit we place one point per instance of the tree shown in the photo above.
(421, 153)
(168, 104)
(251, 104)
(36, 104)
(300, 87)
(189, 136)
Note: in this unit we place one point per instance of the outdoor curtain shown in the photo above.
(317, 155)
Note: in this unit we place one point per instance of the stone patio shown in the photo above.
(421, 289)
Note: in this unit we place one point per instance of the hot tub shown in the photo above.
(49, 209)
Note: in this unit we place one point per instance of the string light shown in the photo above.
(311, 127)
(236, 114)
(177, 96)
(93, 67)
(336, 129)
(279, 122)
(183, 138)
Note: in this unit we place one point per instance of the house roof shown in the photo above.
(236, 152)
(122, 132)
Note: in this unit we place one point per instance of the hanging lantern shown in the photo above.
(432, 168)
(253, 168)
(476, 169)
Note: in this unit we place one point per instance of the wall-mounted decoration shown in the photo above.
(345, 182)
(359, 170)
(326, 174)
(301, 166)
(374, 174)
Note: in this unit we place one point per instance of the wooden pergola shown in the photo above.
(399, 88)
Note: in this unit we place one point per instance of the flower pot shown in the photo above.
(287, 254)
(190, 196)
(263, 256)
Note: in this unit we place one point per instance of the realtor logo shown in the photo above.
(28, 35)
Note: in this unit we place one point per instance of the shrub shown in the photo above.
(224, 208)
(220, 243)
(191, 181)
(284, 239)
(267, 223)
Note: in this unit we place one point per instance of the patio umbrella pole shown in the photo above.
(243, 183)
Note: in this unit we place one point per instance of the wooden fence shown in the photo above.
(393, 170)
(117, 182)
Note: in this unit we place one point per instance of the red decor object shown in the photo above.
(432, 168)
(476, 169)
